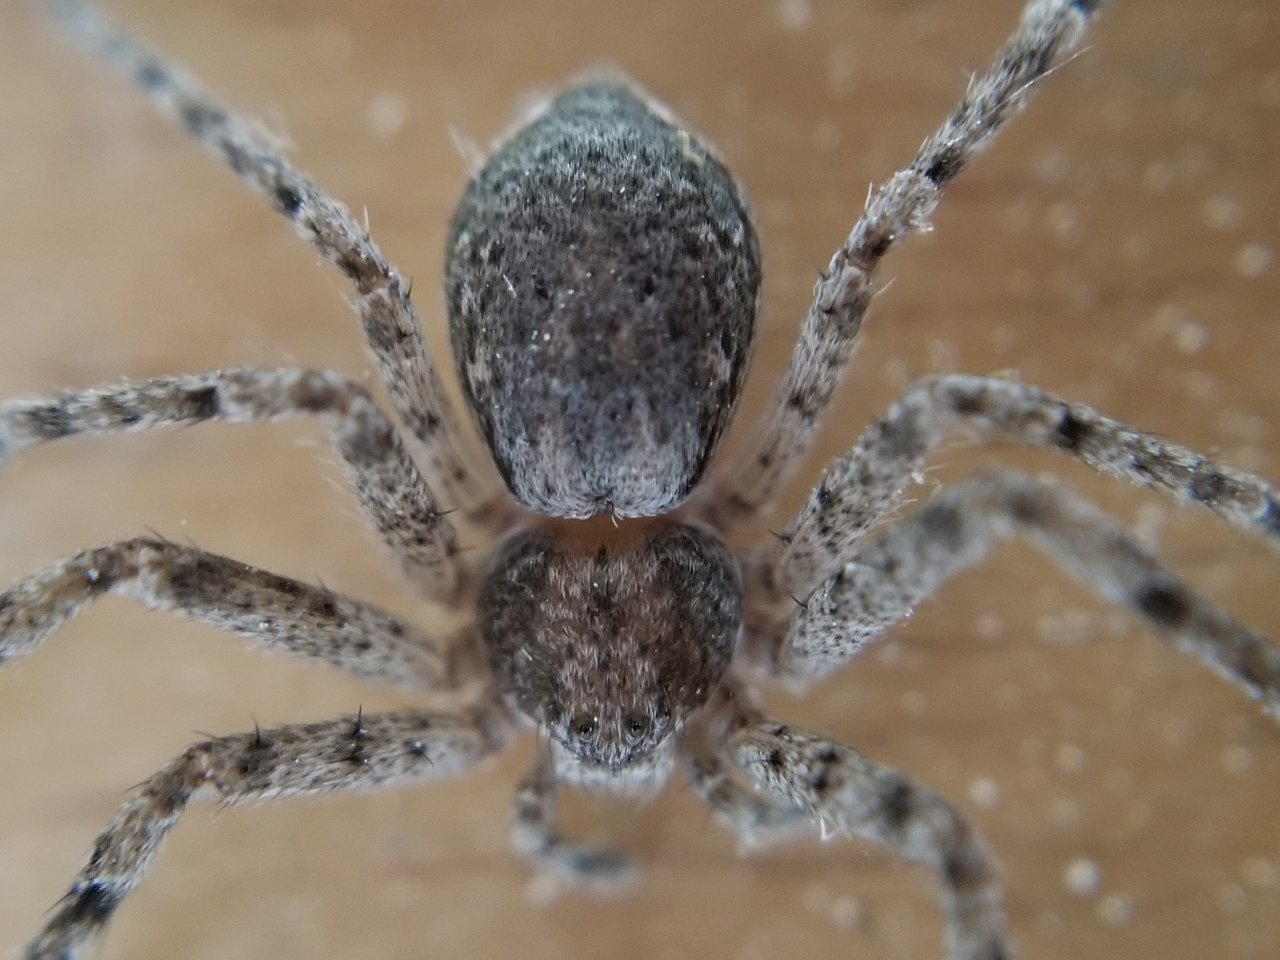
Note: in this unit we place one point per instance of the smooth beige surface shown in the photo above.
(1117, 245)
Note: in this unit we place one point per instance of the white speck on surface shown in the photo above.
(1066, 626)
(387, 114)
(1222, 213)
(1245, 425)
(1261, 873)
(892, 653)
(842, 70)
(1116, 910)
(543, 889)
(1150, 522)
(1063, 222)
(795, 15)
(1020, 282)
(1003, 336)
(1136, 249)
(1082, 877)
(1199, 385)
(1032, 751)
(1064, 812)
(984, 792)
(1269, 89)
(1010, 696)
(989, 627)
(1232, 898)
(846, 913)
(1174, 734)
(1158, 177)
(1122, 699)
(1191, 338)
(1069, 758)
(1190, 104)
(330, 42)
(1117, 113)
(1051, 166)
(1118, 781)
(914, 703)
(1237, 760)
(944, 356)
(1253, 260)
(826, 136)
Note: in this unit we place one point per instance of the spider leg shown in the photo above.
(390, 321)
(387, 482)
(271, 611)
(534, 836)
(902, 205)
(756, 818)
(883, 582)
(293, 760)
(847, 794)
(863, 487)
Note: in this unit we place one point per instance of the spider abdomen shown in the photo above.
(602, 277)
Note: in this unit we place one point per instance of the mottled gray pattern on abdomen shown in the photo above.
(602, 278)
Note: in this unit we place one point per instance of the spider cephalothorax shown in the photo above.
(611, 649)
(602, 282)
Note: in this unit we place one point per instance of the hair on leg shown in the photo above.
(273, 612)
(294, 760)
(897, 208)
(862, 488)
(883, 582)
(390, 321)
(387, 482)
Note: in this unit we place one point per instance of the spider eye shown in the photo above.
(584, 726)
(637, 724)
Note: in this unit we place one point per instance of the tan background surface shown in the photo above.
(1115, 246)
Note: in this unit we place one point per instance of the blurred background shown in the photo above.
(1117, 245)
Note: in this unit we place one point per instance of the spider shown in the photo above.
(621, 737)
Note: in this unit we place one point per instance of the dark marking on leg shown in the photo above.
(960, 869)
(198, 117)
(92, 904)
(1071, 432)
(1207, 484)
(50, 423)
(152, 76)
(943, 523)
(948, 162)
(1164, 602)
(287, 200)
(897, 805)
(203, 404)
(967, 402)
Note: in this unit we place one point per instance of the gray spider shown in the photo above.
(602, 281)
